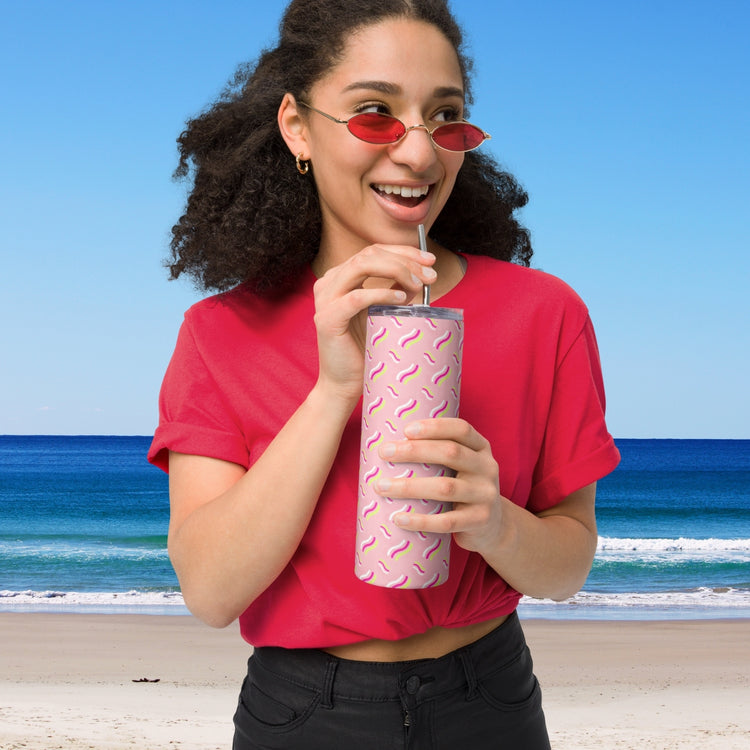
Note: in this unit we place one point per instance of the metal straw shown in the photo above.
(423, 248)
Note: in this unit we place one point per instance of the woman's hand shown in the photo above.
(476, 520)
(377, 275)
(543, 555)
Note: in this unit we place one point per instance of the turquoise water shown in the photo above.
(83, 524)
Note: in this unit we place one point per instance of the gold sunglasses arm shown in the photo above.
(320, 112)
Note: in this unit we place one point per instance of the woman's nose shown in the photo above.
(416, 149)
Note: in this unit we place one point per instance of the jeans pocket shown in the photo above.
(269, 703)
(513, 686)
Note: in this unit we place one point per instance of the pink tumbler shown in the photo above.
(412, 371)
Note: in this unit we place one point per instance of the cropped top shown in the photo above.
(531, 385)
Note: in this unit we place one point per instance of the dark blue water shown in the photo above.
(82, 514)
(83, 525)
(674, 531)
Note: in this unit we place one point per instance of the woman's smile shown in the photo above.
(403, 194)
(404, 204)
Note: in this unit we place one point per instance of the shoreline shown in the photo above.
(726, 603)
(550, 613)
(74, 682)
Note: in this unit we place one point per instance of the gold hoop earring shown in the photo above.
(303, 167)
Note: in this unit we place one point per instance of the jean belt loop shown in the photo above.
(471, 676)
(328, 678)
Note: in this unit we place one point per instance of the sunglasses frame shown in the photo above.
(486, 135)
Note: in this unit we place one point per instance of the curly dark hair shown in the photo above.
(251, 218)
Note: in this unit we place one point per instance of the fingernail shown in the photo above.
(429, 273)
(400, 296)
(416, 279)
(383, 484)
(402, 520)
(387, 450)
(413, 429)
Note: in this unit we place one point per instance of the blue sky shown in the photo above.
(627, 123)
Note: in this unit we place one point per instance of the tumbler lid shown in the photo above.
(416, 311)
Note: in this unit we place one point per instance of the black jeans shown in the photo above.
(481, 696)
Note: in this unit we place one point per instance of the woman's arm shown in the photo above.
(548, 555)
(544, 555)
(232, 531)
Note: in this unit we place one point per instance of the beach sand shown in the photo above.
(66, 681)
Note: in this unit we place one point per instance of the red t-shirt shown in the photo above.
(531, 385)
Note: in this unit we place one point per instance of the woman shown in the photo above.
(308, 212)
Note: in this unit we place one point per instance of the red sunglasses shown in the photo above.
(381, 129)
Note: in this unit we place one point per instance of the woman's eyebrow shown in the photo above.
(393, 89)
(446, 92)
(382, 86)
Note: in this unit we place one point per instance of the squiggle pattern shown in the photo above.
(413, 372)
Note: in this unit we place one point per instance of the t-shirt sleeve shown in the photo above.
(577, 448)
(194, 415)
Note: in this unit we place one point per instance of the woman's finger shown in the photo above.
(404, 266)
(450, 442)
(446, 428)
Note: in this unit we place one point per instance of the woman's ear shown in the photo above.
(293, 128)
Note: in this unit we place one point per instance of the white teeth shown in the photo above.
(403, 191)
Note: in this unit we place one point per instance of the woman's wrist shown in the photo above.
(333, 400)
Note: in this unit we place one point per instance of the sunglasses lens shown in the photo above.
(374, 127)
(458, 136)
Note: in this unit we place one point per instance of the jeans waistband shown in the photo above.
(318, 670)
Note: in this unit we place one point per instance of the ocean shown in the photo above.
(83, 528)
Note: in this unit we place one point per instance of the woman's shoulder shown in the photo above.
(491, 278)
(243, 306)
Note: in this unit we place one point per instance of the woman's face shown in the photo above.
(401, 67)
